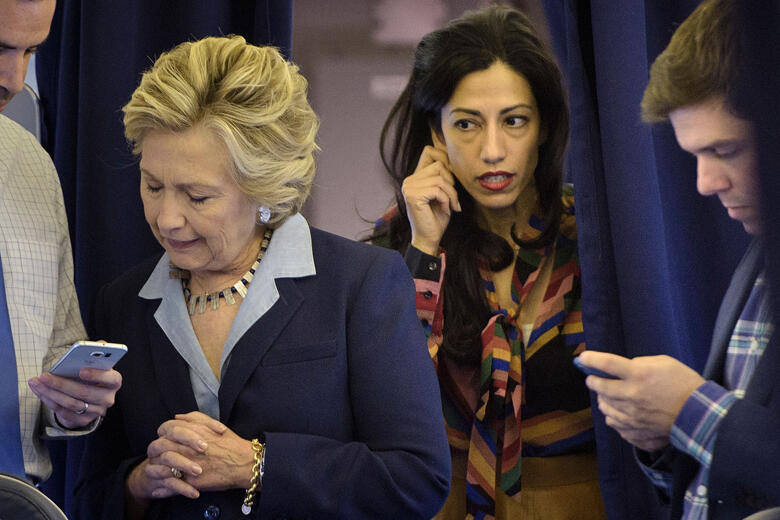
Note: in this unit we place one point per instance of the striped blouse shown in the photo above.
(525, 399)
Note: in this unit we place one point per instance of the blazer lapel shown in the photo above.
(730, 309)
(170, 369)
(255, 343)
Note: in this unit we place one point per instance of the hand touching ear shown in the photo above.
(430, 196)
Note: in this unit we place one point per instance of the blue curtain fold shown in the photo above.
(656, 257)
(758, 90)
(87, 71)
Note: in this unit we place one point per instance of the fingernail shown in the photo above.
(196, 470)
(202, 445)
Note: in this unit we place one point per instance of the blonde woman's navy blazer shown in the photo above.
(336, 377)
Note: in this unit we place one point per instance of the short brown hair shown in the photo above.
(699, 62)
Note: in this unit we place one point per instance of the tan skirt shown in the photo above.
(554, 488)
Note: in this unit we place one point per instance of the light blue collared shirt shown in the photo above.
(289, 255)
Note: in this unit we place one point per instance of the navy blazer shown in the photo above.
(745, 470)
(336, 377)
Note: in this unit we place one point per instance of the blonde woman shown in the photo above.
(274, 370)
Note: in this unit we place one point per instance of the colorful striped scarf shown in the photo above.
(490, 434)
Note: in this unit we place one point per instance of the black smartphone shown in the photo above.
(592, 371)
(91, 354)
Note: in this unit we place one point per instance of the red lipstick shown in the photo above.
(495, 181)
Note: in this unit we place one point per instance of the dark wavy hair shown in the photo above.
(471, 43)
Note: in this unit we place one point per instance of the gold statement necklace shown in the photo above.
(199, 303)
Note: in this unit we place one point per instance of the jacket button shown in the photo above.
(432, 266)
(427, 295)
(212, 513)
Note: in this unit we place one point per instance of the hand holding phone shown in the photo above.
(592, 371)
(88, 354)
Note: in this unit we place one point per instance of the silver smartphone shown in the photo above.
(88, 354)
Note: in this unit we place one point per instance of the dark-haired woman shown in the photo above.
(475, 145)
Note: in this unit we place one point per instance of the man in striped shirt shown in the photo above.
(710, 444)
(39, 312)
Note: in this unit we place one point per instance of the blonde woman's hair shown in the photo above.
(251, 98)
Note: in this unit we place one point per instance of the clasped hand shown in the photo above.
(209, 455)
(643, 403)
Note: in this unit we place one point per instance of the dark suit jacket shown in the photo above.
(745, 471)
(336, 377)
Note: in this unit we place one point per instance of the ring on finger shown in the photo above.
(176, 472)
(86, 407)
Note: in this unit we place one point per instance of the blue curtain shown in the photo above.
(758, 88)
(87, 71)
(656, 256)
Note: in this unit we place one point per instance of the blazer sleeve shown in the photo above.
(745, 468)
(746, 460)
(399, 464)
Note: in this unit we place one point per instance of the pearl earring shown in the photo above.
(263, 214)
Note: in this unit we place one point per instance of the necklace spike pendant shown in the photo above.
(198, 304)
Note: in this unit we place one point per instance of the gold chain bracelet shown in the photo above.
(256, 484)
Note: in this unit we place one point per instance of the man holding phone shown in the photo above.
(39, 312)
(711, 444)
